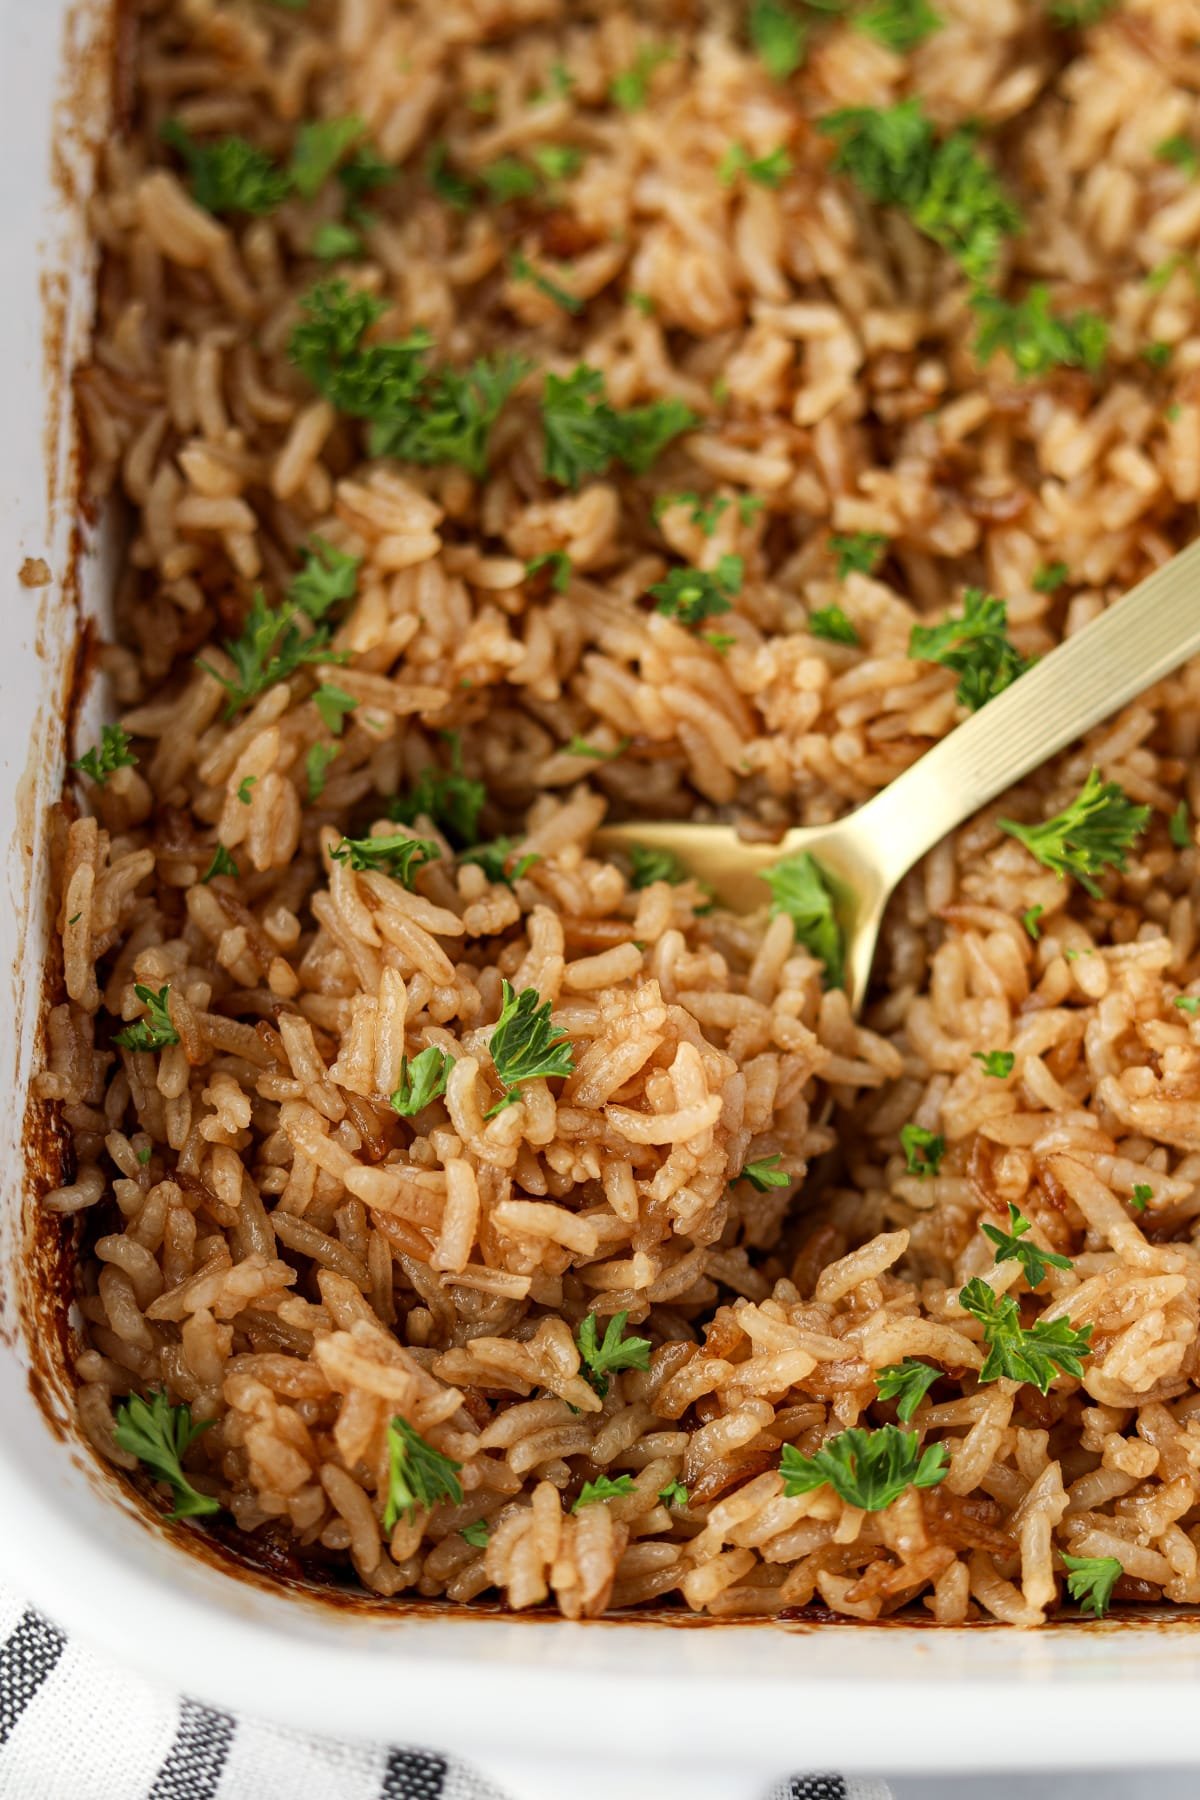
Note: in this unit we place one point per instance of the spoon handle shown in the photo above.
(1133, 644)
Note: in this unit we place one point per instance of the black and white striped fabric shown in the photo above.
(74, 1728)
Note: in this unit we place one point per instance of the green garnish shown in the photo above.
(1158, 355)
(525, 1045)
(221, 864)
(831, 623)
(523, 270)
(1050, 577)
(231, 175)
(603, 1358)
(799, 889)
(328, 577)
(1030, 919)
(144, 1155)
(155, 1031)
(770, 171)
(111, 754)
(333, 704)
(418, 1475)
(363, 172)
(1015, 1353)
(494, 859)
(1179, 827)
(629, 89)
(453, 419)
(1078, 14)
(900, 24)
(648, 866)
(558, 162)
(160, 1435)
(749, 506)
(584, 434)
(334, 242)
(867, 1469)
(1188, 1004)
(446, 181)
(509, 179)
(948, 190)
(643, 303)
(446, 796)
(604, 1487)
(706, 510)
(675, 1494)
(976, 647)
(1181, 152)
(923, 1150)
(1091, 1580)
(578, 746)
(271, 648)
(316, 768)
(1036, 338)
(244, 787)
(907, 1383)
(721, 641)
(397, 855)
(559, 564)
(476, 1534)
(1173, 412)
(857, 552)
(1011, 1247)
(1141, 1196)
(765, 1173)
(777, 36)
(693, 595)
(319, 148)
(74, 918)
(997, 1063)
(422, 1080)
(1092, 833)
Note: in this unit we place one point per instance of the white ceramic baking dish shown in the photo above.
(641, 1709)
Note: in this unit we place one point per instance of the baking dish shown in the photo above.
(710, 1710)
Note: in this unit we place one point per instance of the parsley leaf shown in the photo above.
(397, 856)
(604, 1487)
(1092, 833)
(1188, 1004)
(976, 647)
(1036, 338)
(364, 381)
(1141, 1196)
(111, 754)
(675, 1494)
(578, 746)
(155, 1031)
(160, 1435)
(221, 864)
(765, 1174)
(494, 859)
(900, 24)
(451, 420)
(777, 36)
(584, 434)
(949, 191)
(997, 1063)
(476, 1534)
(1078, 14)
(422, 1080)
(867, 1469)
(1050, 577)
(363, 172)
(327, 577)
(333, 704)
(629, 89)
(1035, 1355)
(319, 148)
(316, 768)
(1011, 1248)
(706, 510)
(1030, 919)
(604, 1358)
(1091, 1580)
(231, 175)
(244, 787)
(799, 889)
(447, 183)
(907, 1383)
(923, 1150)
(1179, 827)
(557, 162)
(1180, 151)
(648, 866)
(451, 799)
(859, 551)
(271, 648)
(831, 623)
(559, 564)
(523, 270)
(418, 1475)
(333, 242)
(508, 178)
(770, 171)
(693, 595)
(525, 1045)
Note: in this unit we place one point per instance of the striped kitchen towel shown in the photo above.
(73, 1727)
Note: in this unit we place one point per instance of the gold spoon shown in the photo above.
(1133, 644)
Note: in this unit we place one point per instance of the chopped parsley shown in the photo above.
(316, 768)
(693, 595)
(231, 175)
(949, 191)
(160, 1435)
(244, 787)
(476, 1534)
(1031, 920)
(857, 552)
(397, 856)
(335, 242)
(1187, 1003)
(705, 510)
(584, 435)
(615, 1351)
(1181, 152)
(578, 746)
(1050, 577)
(453, 420)
(155, 1031)
(867, 1469)
(643, 303)
(145, 1154)
(923, 1150)
(523, 270)
(1011, 1247)
(271, 647)
(333, 704)
(777, 36)
(221, 864)
(319, 148)
(630, 89)
(447, 183)
(422, 1080)
(1036, 338)
(907, 1383)
(328, 577)
(799, 889)
(675, 1495)
(418, 1475)
(765, 1174)
(452, 800)
(525, 1045)
(1158, 355)
(558, 162)
(1036, 1354)
(605, 1487)
(1141, 1196)
(494, 858)
(976, 647)
(648, 866)
(111, 754)
(1091, 1580)
(997, 1063)
(559, 564)
(831, 623)
(1093, 833)
(508, 178)
(899, 24)
(1179, 827)
(1078, 14)
(770, 171)
(363, 172)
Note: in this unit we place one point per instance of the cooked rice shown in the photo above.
(264, 1238)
